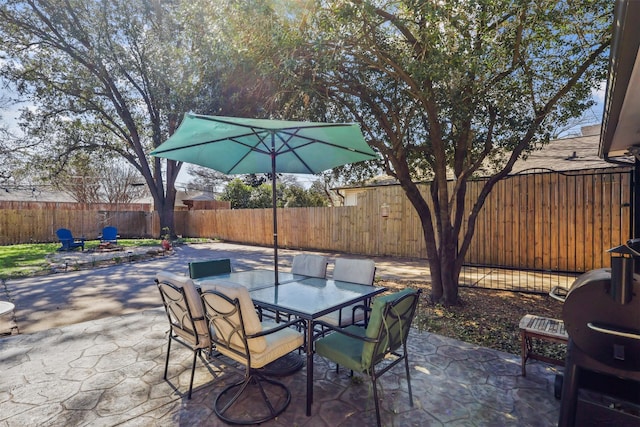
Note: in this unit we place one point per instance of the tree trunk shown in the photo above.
(444, 275)
(165, 208)
(167, 220)
(449, 274)
(441, 254)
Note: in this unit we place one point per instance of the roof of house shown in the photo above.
(566, 154)
(185, 195)
(12, 193)
(195, 195)
(561, 155)
(621, 118)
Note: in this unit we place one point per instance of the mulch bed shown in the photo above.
(485, 317)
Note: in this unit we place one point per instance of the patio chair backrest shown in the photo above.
(232, 315)
(109, 234)
(389, 325)
(64, 234)
(213, 267)
(310, 265)
(360, 271)
(184, 308)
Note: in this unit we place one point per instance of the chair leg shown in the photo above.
(236, 391)
(375, 397)
(193, 370)
(166, 363)
(406, 365)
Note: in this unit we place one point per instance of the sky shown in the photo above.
(594, 115)
(9, 116)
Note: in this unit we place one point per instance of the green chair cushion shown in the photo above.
(214, 267)
(375, 323)
(342, 349)
(358, 355)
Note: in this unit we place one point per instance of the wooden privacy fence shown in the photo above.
(551, 221)
(543, 221)
(554, 221)
(32, 222)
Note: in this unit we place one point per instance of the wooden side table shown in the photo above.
(542, 328)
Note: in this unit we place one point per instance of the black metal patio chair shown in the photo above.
(365, 350)
(238, 334)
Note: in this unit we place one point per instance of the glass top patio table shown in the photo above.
(251, 279)
(310, 299)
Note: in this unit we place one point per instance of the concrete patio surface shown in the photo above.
(92, 344)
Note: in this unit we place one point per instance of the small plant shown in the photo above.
(166, 238)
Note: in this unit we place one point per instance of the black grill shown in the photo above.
(601, 314)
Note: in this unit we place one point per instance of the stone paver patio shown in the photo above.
(108, 371)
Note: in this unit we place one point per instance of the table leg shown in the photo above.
(309, 366)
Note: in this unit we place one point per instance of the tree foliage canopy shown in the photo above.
(446, 90)
(443, 90)
(243, 195)
(117, 76)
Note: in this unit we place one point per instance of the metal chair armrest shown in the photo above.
(343, 331)
(298, 322)
(364, 308)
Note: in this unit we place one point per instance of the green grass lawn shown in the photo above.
(27, 259)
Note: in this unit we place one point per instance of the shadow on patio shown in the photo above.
(109, 372)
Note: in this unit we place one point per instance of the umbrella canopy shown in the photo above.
(234, 145)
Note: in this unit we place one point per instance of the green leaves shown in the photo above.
(245, 196)
(441, 89)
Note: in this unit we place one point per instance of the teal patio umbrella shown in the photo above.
(234, 145)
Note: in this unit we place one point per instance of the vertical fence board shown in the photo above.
(562, 226)
(550, 221)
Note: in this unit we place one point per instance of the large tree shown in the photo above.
(95, 178)
(8, 154)
(118, 76)
(445, 88)
(12, 147)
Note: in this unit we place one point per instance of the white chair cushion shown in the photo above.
(249, 316)
(360, 271)
(310, 265)
(278, 344)
(195, 304)
(334, 318)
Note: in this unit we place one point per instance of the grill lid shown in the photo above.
(600, 324)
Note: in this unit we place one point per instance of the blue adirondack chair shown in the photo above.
(109, 235)
(68, 241)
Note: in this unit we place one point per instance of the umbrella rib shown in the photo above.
(213, 141)
(251, 148)
(285, 143)
(318, 141)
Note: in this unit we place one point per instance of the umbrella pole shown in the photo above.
(275, 208)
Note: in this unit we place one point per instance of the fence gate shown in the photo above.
(540, 230)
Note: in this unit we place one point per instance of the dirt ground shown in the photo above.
(489, 318)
